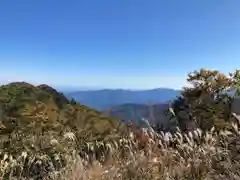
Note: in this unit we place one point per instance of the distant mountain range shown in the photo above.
(108, 98)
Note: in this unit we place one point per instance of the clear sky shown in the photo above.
(138, 44)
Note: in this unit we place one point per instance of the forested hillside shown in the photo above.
(28, 108)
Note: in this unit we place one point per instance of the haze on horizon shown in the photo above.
(135, 44)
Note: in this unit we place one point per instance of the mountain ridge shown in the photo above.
(108, 98)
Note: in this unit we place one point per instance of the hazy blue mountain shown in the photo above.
(154, 114)
(107, 98)
(69, 89)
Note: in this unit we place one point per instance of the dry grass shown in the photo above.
(179, 156)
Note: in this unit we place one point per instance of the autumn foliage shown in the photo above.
(207, 102)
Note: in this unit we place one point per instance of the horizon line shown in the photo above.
(74, 88)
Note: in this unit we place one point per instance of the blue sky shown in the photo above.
(137, 44)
